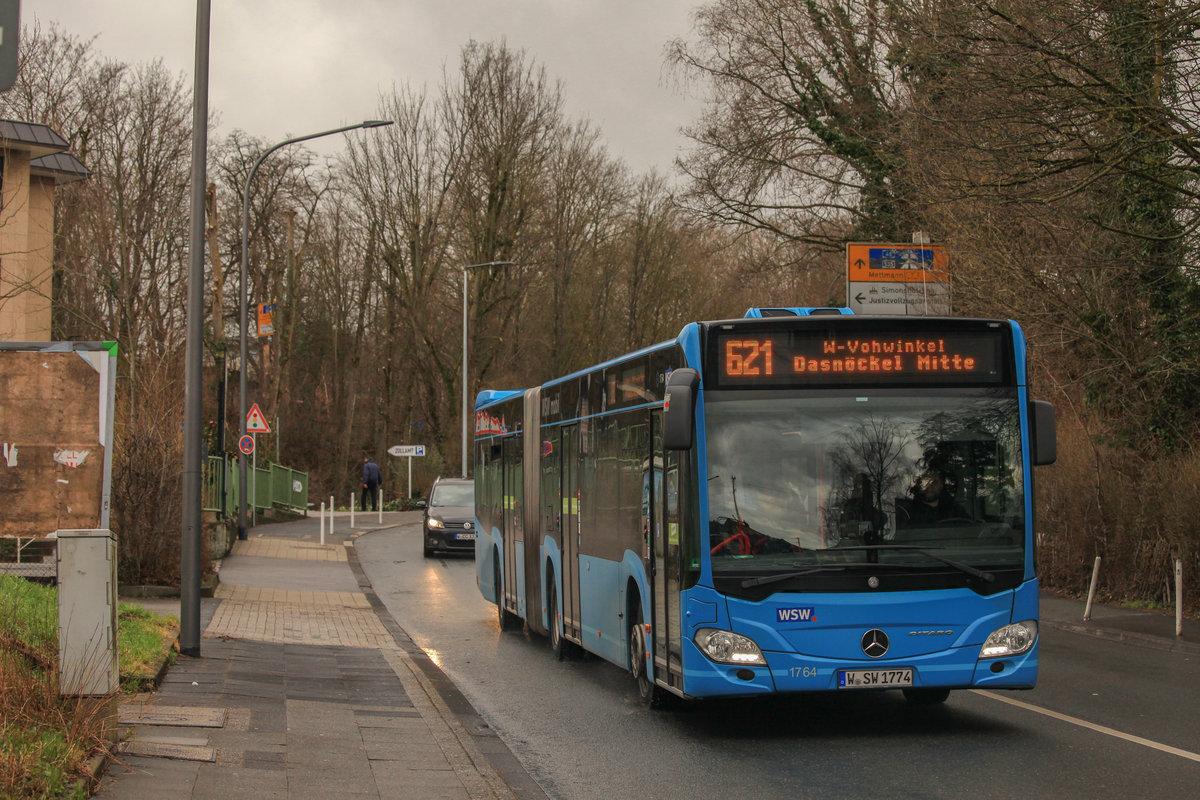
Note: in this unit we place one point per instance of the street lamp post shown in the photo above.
(191, 535)
(465, 382)
(244, 292)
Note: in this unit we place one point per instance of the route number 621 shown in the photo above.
(749, 358)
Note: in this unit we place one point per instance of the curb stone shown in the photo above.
(1127, 637)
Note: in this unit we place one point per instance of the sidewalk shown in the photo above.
(306, 688)
(1131, 626)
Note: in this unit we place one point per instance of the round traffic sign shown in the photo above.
(246, 444)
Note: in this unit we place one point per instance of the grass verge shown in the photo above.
(46, 740)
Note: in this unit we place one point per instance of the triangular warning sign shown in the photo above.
(256, 422)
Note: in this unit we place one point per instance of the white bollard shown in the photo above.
(322, 522)
(331, 515)
(1087, 611)
(352, 511)
(1179, 597)
(381, 504)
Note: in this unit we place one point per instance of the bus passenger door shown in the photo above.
(511, 515)
(569, 499)
(664, 546)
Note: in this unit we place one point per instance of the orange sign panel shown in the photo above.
(896, 263)
(266, 319)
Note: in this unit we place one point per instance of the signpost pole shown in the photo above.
(409, 450)
(254, 482)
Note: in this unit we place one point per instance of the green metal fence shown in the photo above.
(272, 486)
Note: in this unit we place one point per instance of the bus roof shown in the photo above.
(489, 396)
(797, 311)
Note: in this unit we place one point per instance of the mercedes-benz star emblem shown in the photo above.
(875, 643)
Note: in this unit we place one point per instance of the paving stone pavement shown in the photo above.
(324, 695)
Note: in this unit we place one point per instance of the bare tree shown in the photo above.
(506, 116)
(402, 179)
(289, 182)
(1056, 141)
(799, 137)
(576, 265)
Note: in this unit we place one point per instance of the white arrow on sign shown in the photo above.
(409, 450)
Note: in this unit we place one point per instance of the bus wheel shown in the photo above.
(506, 618)
(558, 644)
(652, 696)
(926, 697)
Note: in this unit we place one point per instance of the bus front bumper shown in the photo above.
(954, 668)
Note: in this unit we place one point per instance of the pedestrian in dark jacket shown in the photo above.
(372, 477)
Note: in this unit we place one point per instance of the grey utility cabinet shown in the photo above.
(87, 612)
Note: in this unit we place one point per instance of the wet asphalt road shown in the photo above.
(1107, 720)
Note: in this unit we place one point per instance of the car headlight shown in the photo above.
(434, 522)
(727, 647)
(1011, 640)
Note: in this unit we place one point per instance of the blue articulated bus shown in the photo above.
(798, 500)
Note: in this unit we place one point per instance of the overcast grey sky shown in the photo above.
(281, 68)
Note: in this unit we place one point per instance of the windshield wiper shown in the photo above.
(958, 565)
(967, 568)
(765, 579)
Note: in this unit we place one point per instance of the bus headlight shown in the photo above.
(727, 647)
(1011, 640)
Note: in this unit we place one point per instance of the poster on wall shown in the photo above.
(56, 425)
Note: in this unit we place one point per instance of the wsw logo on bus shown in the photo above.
(802, 614)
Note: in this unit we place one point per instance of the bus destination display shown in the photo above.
(806, 357)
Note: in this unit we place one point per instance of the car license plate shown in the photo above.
(874, 678)
(465, 537)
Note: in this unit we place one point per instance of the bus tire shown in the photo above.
(506, 618)
(652, 696)
(558, 643)
(925, 697)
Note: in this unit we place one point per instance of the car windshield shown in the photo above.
(453, 494)
(833, 483)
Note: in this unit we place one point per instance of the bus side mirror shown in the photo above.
(679, 409)
(1045, 439)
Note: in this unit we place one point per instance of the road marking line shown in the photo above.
(1165, 748)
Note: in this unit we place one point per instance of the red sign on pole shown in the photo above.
(256, 422)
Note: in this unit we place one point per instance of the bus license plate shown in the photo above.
(874, 678)
(465, 537)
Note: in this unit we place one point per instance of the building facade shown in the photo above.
(33, 161)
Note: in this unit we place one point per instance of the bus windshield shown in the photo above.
(824, 487)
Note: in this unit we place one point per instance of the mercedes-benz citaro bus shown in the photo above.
(799, 500)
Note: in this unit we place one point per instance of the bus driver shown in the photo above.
(930, 504)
